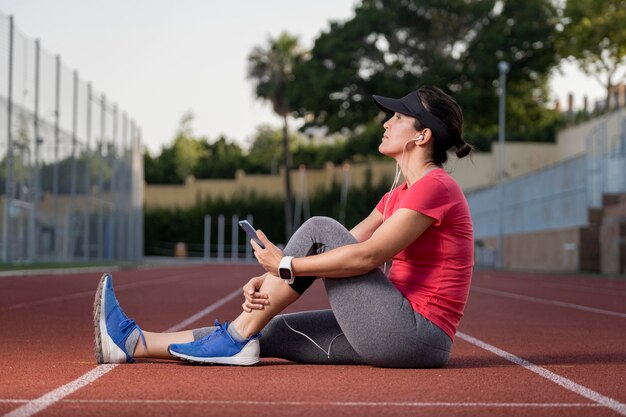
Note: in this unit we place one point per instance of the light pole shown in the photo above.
(503, 68)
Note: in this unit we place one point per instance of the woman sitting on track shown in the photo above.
(405, 320)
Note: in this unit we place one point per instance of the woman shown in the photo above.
(406, 320)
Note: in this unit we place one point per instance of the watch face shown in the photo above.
(284, 273)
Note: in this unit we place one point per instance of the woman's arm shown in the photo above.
(368, 226)
(400, 230)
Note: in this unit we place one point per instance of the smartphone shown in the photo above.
(245, 225)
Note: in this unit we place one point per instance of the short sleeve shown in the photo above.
(430, 197)
(381, 204)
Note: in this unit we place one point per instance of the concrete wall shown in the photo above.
(613, 235)
(599, 247)
(309, 180)
(554, 250)
(574, 140)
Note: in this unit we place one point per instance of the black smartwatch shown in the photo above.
(284, 269)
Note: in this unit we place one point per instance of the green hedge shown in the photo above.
(164, 227)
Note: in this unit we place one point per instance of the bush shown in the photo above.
(164, 227)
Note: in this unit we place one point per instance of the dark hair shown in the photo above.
(449, 112)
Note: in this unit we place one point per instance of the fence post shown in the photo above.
(126, 184)
(87, 219)
(234, 238)
(35, 182)
(131, 209)
(207, 236)
(220, 238)
(113, 194)
(69, 241)
(55, 166)
(100, 199)
(9, 167)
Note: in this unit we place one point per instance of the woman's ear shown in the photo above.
(423, 137)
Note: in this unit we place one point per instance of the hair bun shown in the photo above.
(463, 149)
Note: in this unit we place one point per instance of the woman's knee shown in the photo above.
(322, 222)
(328, 231)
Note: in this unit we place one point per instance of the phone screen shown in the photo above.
(245, 225)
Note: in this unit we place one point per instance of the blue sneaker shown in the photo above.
(219, 348)
(111, 326)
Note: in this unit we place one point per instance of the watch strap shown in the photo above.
(285, 264)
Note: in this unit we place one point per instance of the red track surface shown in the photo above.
(46, 343)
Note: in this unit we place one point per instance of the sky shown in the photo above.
(158, 59)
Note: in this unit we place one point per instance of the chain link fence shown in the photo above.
(71, 168)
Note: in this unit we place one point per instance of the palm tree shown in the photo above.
(271, 70)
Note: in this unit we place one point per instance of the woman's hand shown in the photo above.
(270, 257)
(254, 300)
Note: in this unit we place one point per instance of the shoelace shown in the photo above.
(221, 328)
(127, 324)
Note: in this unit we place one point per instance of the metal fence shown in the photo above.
(71, 168)
(561, 195)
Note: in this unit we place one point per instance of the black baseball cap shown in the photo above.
(411, 105)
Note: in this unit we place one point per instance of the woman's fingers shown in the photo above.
(257, 299)
(253, 299)
(250, 305)
(269, 258)
(255, 246)
(249, 288)
(263, 238)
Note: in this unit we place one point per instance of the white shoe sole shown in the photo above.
(249, 355)
(105, 349)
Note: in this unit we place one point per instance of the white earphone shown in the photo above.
(420, 138)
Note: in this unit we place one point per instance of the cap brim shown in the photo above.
(391, 105)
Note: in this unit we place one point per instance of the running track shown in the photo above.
(541, 345)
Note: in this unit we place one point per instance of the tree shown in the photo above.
(390, 47)
(220, 159)
(191, 155)
(594, 34)
(264, 152)
(188, 151)
(271, 70)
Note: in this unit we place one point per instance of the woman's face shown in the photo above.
(399, 129)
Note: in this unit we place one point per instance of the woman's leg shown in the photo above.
(280, 295)
(378, 322)
(378, 325)
(134, 343)
(312, 337)
(157, 344)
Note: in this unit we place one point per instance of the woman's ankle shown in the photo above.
(242, 328)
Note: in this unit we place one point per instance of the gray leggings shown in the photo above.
(370, 321)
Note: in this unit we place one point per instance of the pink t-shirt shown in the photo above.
(434, 272)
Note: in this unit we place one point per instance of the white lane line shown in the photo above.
(34, 406)
(546, 301)
(46, 400)
(57, 271)
(566, 383)
(323, 403)
(90, 293)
